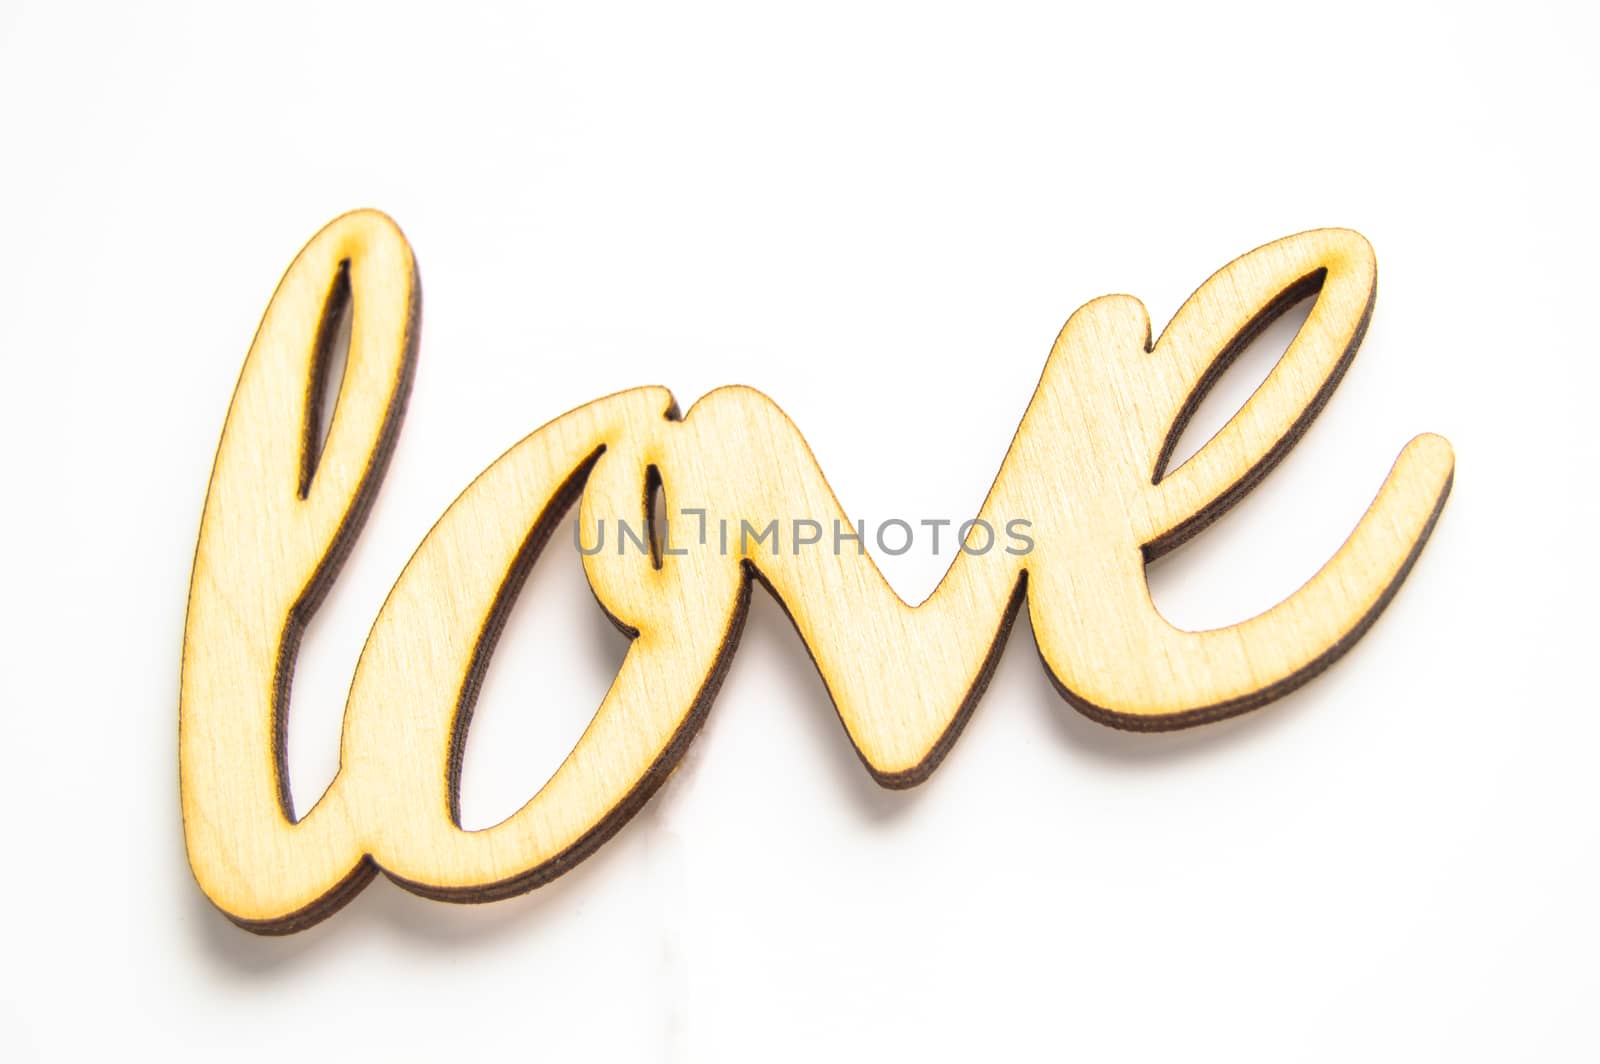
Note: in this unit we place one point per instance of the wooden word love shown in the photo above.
(1086, 470)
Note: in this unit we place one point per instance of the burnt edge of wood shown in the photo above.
(355, 518)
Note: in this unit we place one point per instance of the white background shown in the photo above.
(880, 216)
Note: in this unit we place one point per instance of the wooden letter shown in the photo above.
(1084, 488)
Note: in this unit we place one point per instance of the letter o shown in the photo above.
(968, 526)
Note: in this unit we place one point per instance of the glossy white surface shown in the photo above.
(834, 204)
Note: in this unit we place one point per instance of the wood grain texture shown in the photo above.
(1086, 471)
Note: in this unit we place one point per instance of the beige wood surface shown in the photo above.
(1086, 471)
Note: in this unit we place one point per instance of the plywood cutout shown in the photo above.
(1084, 477)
